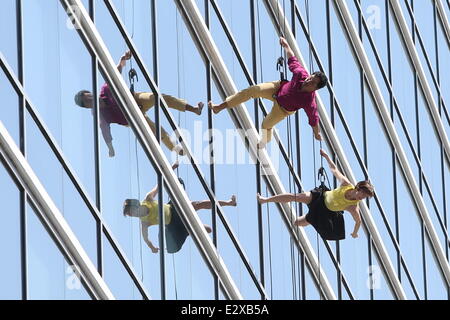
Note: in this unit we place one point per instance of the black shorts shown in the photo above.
(329, 224)
(176, 233)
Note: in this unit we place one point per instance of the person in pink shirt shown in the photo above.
(287, 96)
(110, 111)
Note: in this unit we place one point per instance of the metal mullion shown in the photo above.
(416, 31)
(240, 118)
(332, 118)
(50, 217)
(414, 60)
(22, 134)
(96, 120)
(212, 171)
(174, 126)
(423, 212)
(251, 81)
(363, 113)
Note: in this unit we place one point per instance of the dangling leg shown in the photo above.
(263, 90)
(304, 197)
(206, 204)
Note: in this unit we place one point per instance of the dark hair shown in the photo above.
(79, 97)
(129, 203)
(322, 79)
(366, 187)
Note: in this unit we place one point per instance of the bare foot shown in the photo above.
(233, 201)
(208, 228)
(260, 199)
(214, 107)
(200, 105)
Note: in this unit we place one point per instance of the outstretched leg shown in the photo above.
(304, 197)
(206, 204)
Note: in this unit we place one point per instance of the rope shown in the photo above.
(259, 44)
(131, 192)
(58, 45)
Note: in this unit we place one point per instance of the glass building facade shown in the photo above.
(384, 117)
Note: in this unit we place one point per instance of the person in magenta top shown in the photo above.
(110, 111)
(287, 96)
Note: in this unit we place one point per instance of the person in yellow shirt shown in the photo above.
(176, 233)
(345, 197)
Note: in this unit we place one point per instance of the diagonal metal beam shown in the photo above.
(277, 139)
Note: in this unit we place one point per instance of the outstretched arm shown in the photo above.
(354, 211)
(123, 60)
(152, 194)
(286, 47)
(339, 176)
(146, 239)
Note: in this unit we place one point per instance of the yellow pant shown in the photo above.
(263, 90)
(146, 100)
